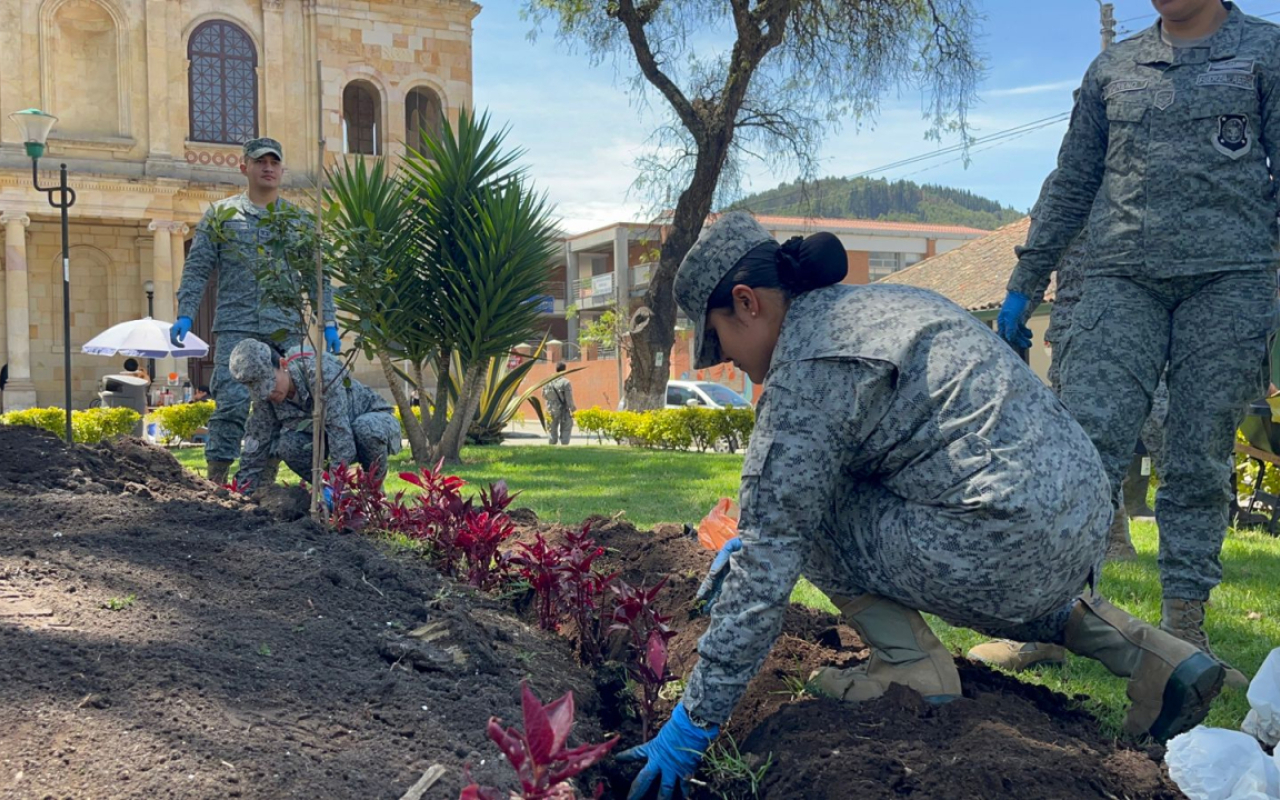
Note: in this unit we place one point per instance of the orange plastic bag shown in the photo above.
(719, 526)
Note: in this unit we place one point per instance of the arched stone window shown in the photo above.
(361, 119)
(85, 76)
(223, 84)
(423, 113)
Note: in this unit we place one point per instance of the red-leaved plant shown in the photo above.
(584, 591)
(635, 612)
(539, 564)
(539, 754)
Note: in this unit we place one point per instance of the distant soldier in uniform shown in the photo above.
(242, 312)
(905, 460)
(359, 425)
(558, 394)
(1166, 160)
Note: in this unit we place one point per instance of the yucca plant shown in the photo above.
(484, 243)
(502, 395)
(374, 254)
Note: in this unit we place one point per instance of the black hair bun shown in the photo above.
(810, 263)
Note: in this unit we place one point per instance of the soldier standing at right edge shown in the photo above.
(1166, 159)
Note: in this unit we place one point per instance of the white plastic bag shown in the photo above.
(1263, 720)
(1220, 764)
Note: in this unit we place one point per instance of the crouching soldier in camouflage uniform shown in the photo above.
(242, 312)
(905, 460)
(359, 425)
(1171, 161)
(558, 394)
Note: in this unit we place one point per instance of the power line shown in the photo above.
(999, 135)
(981, 150)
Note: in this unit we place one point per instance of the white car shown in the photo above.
(703, 394)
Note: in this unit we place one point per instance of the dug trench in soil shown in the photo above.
(1004, 739)
(245, 652)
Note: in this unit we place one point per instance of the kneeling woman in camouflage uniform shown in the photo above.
(359, 425)
(904, 460)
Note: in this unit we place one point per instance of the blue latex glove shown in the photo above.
(710, 588)
(1010, 324)
(179, 330)
(328, 497)
(332, 341)
(674, 754)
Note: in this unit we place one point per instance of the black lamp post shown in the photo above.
(35, 125)
(150, 288)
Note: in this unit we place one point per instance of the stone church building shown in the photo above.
(153, 99)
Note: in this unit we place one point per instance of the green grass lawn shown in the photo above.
(568, 484)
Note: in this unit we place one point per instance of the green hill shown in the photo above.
(867, 198)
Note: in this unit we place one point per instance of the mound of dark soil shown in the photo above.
(1004, 739)
(166, 644)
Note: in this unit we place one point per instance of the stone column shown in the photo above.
(162, 277)
(178, 241)
(19, 392)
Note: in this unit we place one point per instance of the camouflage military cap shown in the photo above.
(257, 148)
(251, 365)
(720, 247)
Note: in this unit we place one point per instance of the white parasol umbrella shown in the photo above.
(144, 338)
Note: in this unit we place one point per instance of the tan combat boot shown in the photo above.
(1018, 656)
(1171, 683)
(1119, 545)
(218, 472)
(1185, 619)
(903, 651)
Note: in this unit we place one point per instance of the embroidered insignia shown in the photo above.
(1232, 138)
(1116, 87)
(1238, 80)
(1164, 98)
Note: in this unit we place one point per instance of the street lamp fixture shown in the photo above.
(35, 126)
(150, 288)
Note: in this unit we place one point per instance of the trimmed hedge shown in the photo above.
(88, 426)
(178, 422)
(670, 428)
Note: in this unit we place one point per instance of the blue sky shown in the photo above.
(582, 131)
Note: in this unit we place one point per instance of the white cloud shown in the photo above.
(1035, 88)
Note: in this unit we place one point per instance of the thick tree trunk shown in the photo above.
(455, 433)
(440, 408)
(412, 425)
(647, 384)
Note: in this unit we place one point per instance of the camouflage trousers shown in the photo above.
(377, 436)
(226, 426)
(1211, 331)
(1010, 578)
(560, 426)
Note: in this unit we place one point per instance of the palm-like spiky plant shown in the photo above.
(484, 243)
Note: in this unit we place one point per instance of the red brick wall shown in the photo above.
(859, 267)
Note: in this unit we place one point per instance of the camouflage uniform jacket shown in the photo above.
(897, 390)
(345, 399)
(1166, 160)
(1068, 277)
(559, 396)
(240, 302)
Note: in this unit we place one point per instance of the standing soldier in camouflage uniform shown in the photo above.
(904, 460)
(242, 312)
(1166, 160)
(558, 394)
(359, 425)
